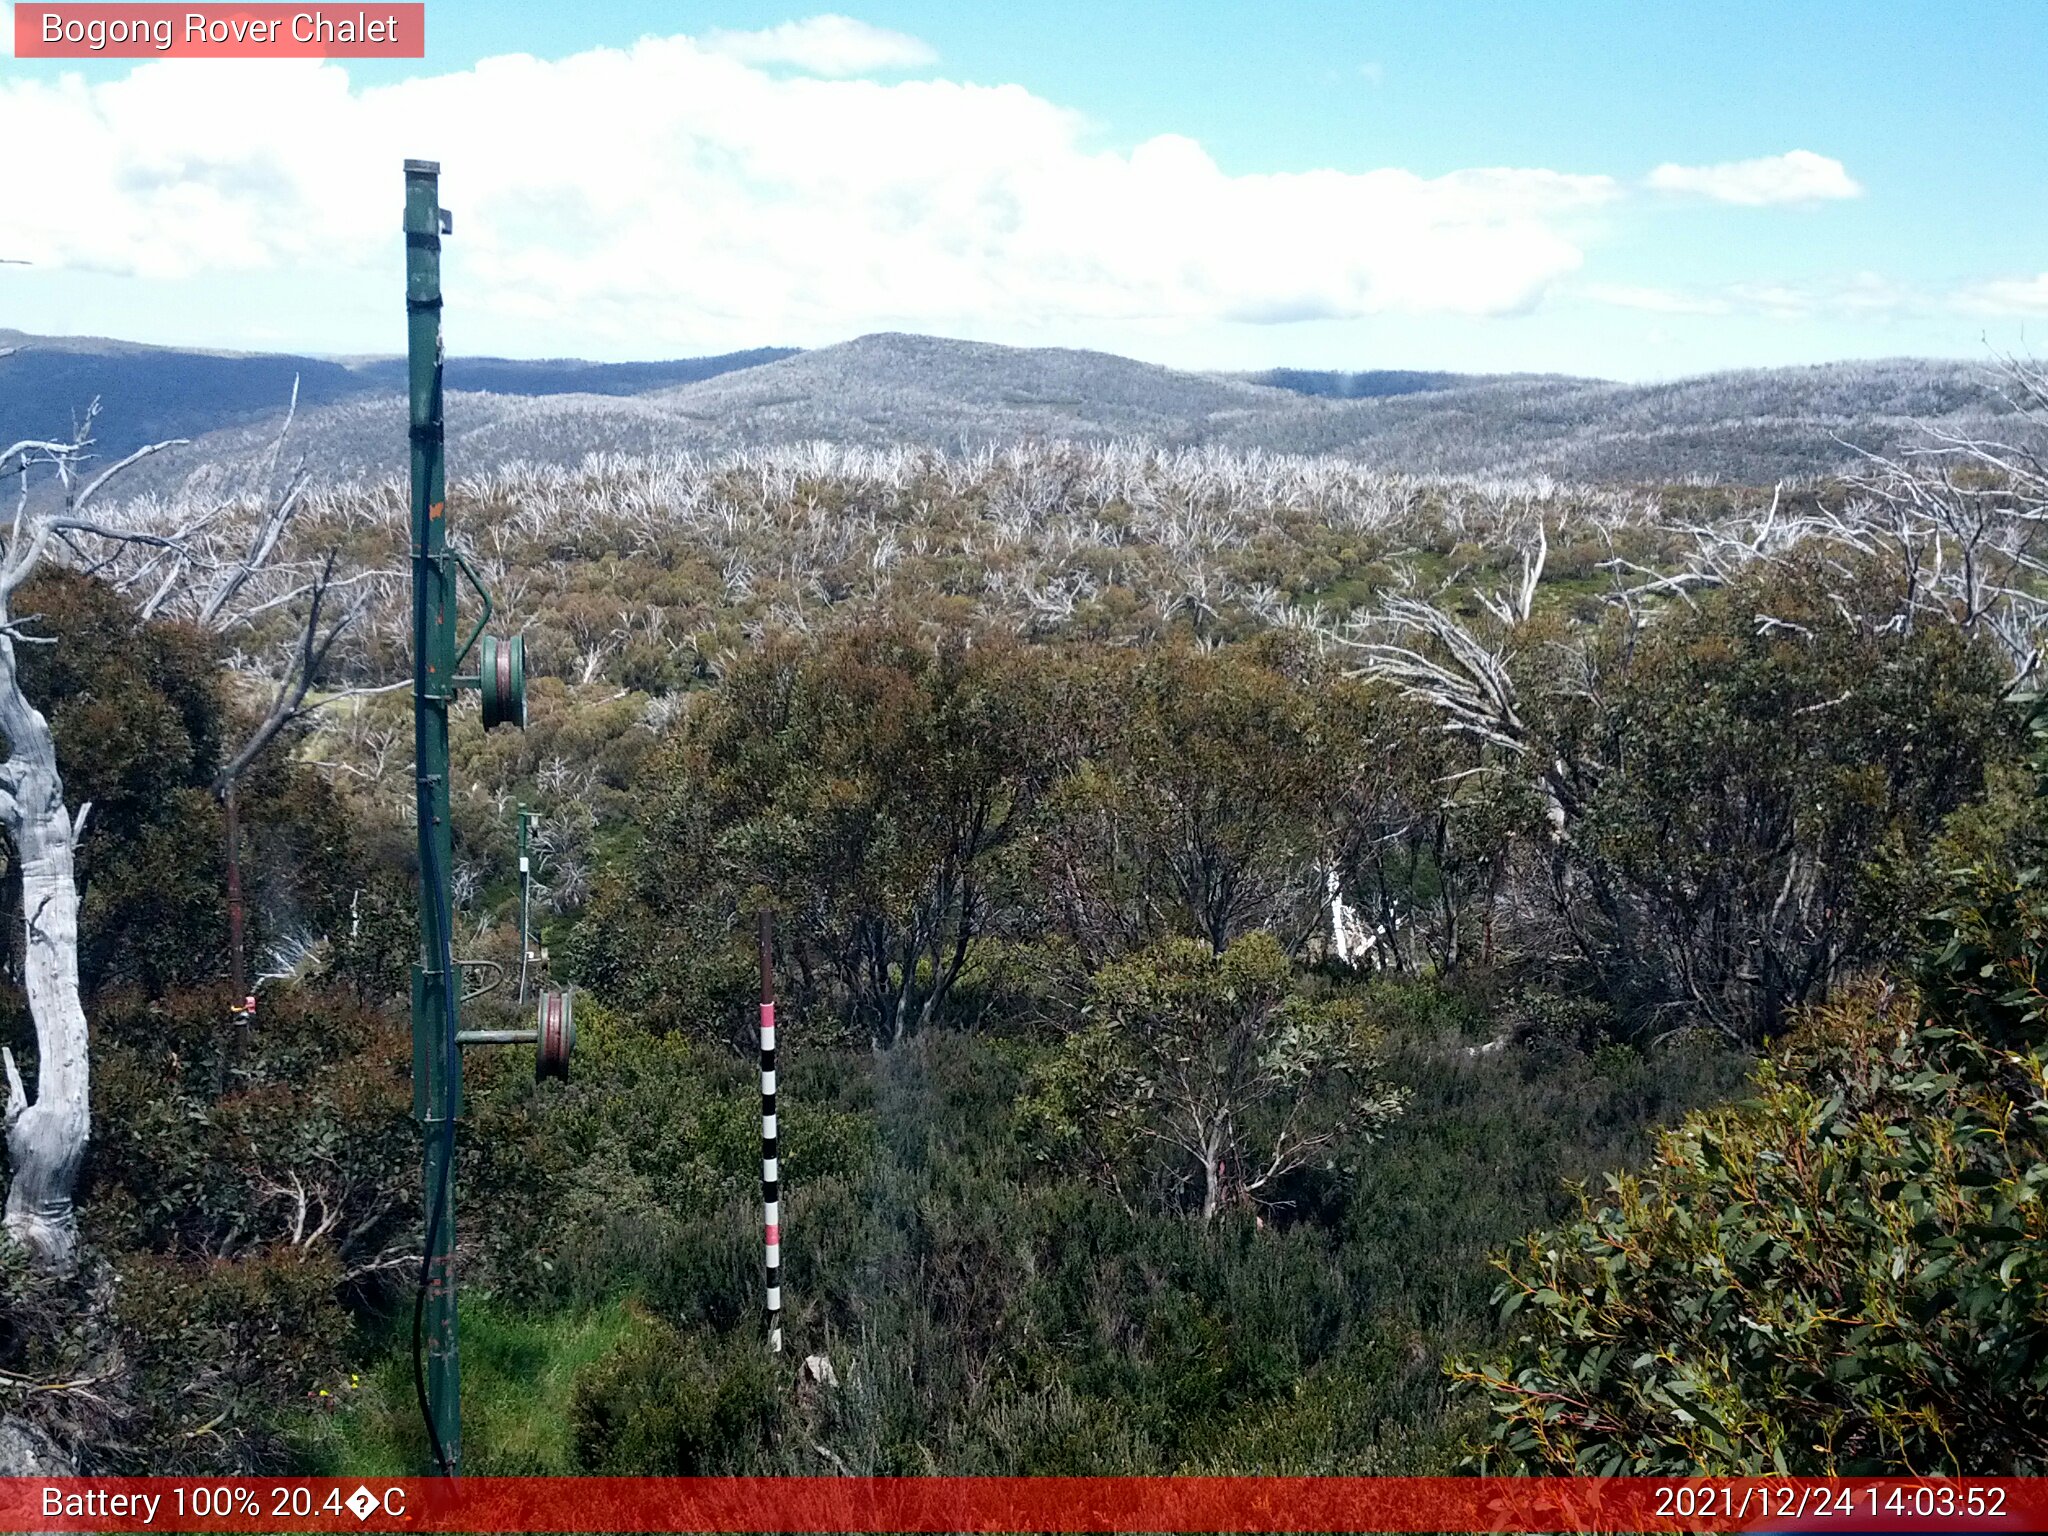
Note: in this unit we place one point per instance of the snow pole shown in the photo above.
(527, 957)
(771, 1171)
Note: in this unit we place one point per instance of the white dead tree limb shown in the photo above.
(1966, 519)
(224, 567)
(205, 539)
(1515, 609)
(1959, 521)
(221, 567)
(46, 1135)
(1434, 658)
(301, 671)
(1430, 656)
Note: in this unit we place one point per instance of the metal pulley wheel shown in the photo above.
(557, 1022)
(501, 681)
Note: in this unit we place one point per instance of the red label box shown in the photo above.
(366, 29)
(1078, 1505)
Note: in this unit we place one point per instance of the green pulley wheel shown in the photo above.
(501, 681)
(557, 1035)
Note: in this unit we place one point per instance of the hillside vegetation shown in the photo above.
(1755, 427)
(1221, 897)
(152, 393)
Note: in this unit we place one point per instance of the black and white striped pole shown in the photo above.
(771, 1170)
(526, 954)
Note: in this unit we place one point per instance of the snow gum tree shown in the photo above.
(46, 1135)
(1211, 1074)
(202, 555)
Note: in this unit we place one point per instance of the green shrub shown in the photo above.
(208, 1144)
(668, 1403)
(218, 1354)
(642, 1172)
(1744, 800)
(1211, 1071)
(1844, 1274)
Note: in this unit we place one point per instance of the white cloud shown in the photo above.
(1856, 295)
(1799, 176)
(1656, 301)
(672, 195)
(834, 46)
(2007, 296)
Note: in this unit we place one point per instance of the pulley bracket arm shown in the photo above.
(476, 585)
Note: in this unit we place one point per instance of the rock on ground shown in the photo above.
(26, 1451)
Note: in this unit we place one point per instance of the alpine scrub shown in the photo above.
(1846, 1273)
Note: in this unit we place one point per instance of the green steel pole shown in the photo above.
(436, 1058)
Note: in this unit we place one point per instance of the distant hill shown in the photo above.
(1753, 426)
(572, 376)
(876, 390)
(151, 393)
(887, 387)
(1370, 385)
(147, 394)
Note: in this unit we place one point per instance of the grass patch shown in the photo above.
(518, 1372)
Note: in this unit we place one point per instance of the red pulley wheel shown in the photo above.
(557, 1023)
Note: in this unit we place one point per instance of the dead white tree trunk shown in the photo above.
(45, 1139)
(1340, 915)
(46, 1136)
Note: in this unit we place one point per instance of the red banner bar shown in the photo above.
(1005, 1504)
(368, 29)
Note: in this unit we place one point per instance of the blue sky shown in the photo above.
(1634, 190)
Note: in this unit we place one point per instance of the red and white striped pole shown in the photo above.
(771, 1171)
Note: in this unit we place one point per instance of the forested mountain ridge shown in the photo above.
(1748, 427)
(149, 393)
(1372, 384)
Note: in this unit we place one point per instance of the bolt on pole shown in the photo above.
(437, 1061)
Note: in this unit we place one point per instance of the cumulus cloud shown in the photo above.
(674, 193)
(1799, 176)
(834, 46)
